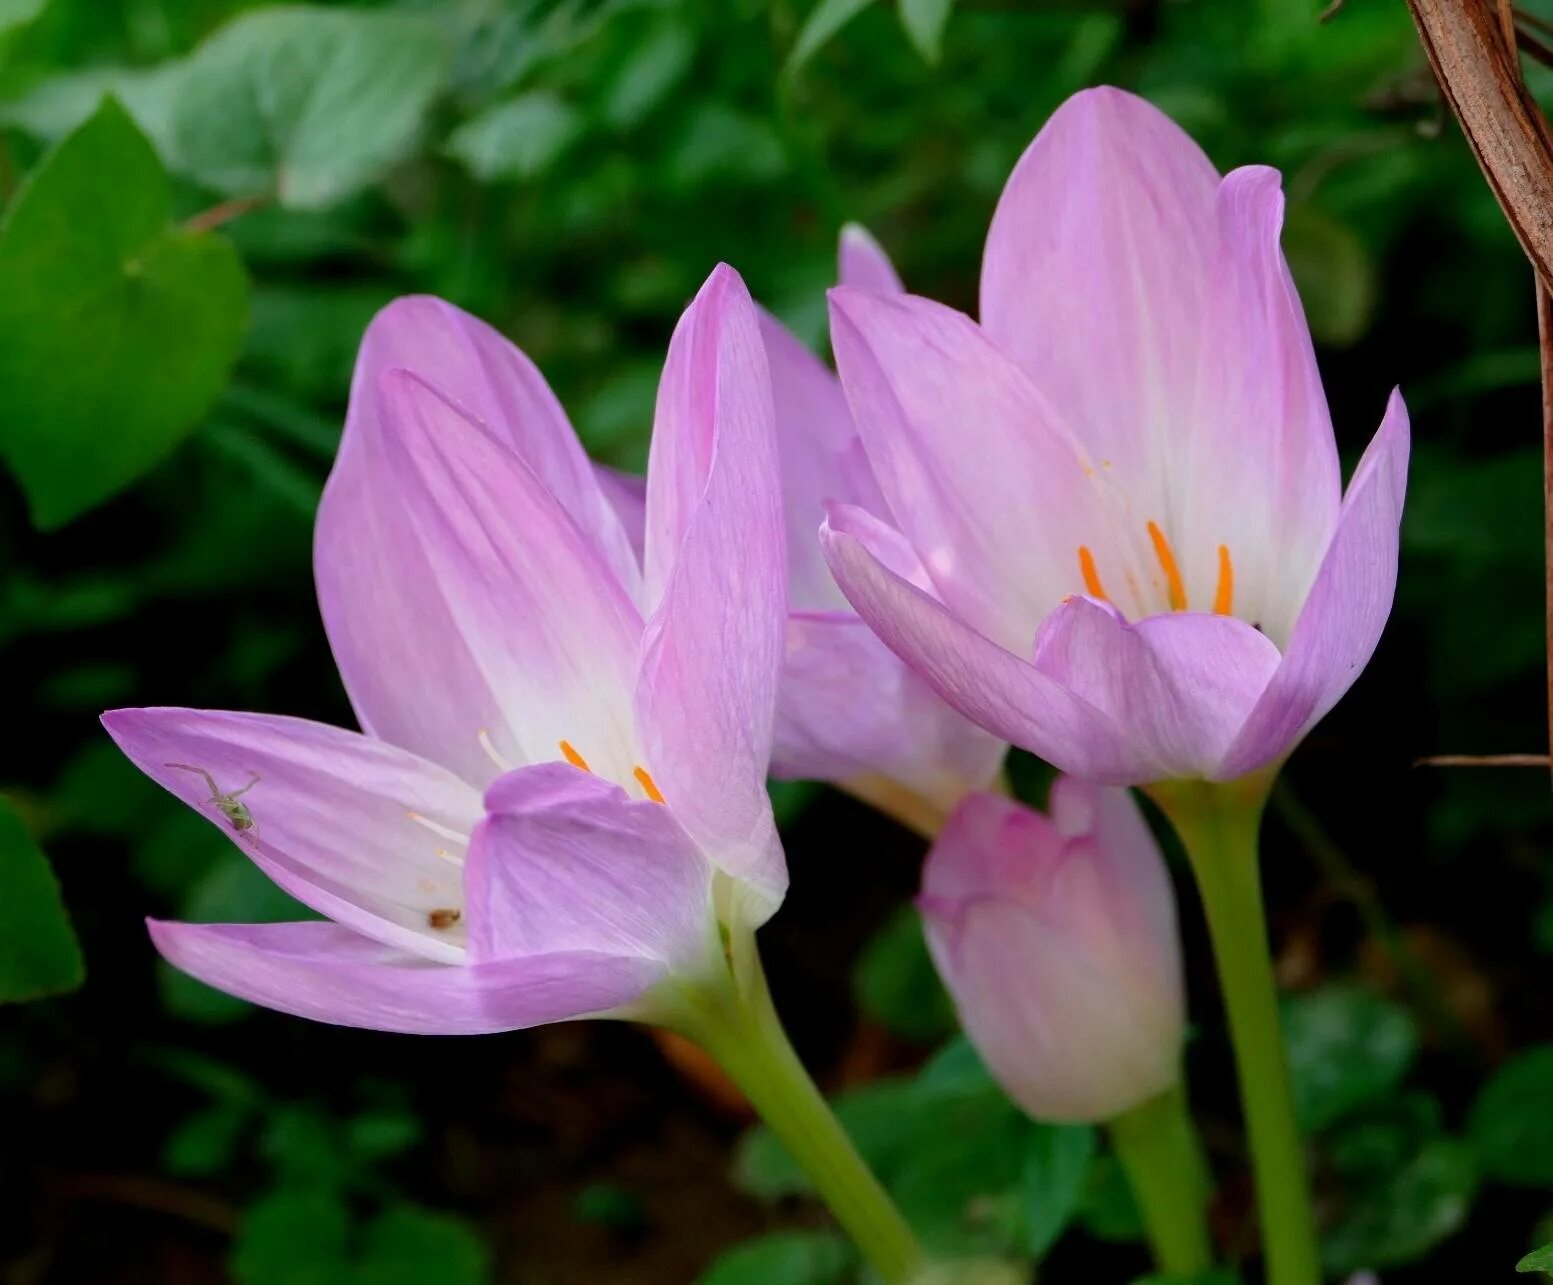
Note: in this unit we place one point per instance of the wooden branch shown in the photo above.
(1479, 74)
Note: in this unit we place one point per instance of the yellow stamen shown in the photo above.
(1175, 590)
(574, 758)
(644, 778)
(1086, 564)
(1224, 596)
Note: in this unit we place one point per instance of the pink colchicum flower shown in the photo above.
(498, 636)
(1057, 938)
(849, 710)
(1120, 538)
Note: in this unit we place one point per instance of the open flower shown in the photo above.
(849, 710)
(559, 798)
(1057, 938)
(1116, 532)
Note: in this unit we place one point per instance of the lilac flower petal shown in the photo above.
(1094, 277)
(566, 861)
(493, 381)
(980, 475)
(1258, 463)
(1345, 610)
(711, 656)
(394, 639)
(1078, 1015)
(332, 814)
(627, 495)
(852, 709)
(1182, 684)
(548, 626)
(327, 973)
(862, 262)
(821, 459)
(987, 683)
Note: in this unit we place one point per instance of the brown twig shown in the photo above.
(225, 212)
(1472, 47)
(1482, 760)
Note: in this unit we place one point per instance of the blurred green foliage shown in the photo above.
(205, 202)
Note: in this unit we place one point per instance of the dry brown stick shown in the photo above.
(1483, 760)
(1472, 48)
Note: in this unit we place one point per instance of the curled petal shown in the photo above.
(716, 563)
(1345, 610)
(327, 814)
(327, 973)
(990, 685)
(565, 861)
(1180, 686)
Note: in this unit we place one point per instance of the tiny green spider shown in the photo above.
(237, 814)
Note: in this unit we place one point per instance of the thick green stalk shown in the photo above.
(1218, 826)
(1165, 1166)
(748, 1041)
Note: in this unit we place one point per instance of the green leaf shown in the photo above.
(1056, 1168)
(784, 1258)
(824, 21)
(896, 984)
(1539, 1260)
(1108, 1209)
(408, 1245)
(116, 328)
(1347, 1047)
(293, 1237)
(38, 951)
(311, 104)
(1511, 1123)
(924, 21)
(518, 139)
(205, 1142)
(1402, 1218)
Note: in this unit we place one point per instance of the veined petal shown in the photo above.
(862, 262)
(565, 861)
(327, 973)
(627, 494)
(393, 635)
(548, 626)
(1179, 685)
(333, 814)
(988, 684)
(1258, 464)
(980, 475)
(850, 709)
(821, 459)
(716, 561)
(493, 381)
(1095, 274)
(1344, 612)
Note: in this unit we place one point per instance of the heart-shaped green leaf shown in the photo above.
(117, 328)
(38, 951)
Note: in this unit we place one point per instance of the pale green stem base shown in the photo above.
(1218, 825)
(745, 1036)
(1168, 1173)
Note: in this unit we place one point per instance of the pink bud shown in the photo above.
(1057, 937)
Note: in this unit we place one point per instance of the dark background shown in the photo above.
(155, 1131)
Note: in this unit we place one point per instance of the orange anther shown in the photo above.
(1175, 590)
(574, 758)
(1224, 596)
(644, 778)
(1086, 565)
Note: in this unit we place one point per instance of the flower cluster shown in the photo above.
(1105, 524)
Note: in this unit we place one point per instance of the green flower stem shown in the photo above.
(747, 1040)
(1218, 826)
(1165, 1166)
